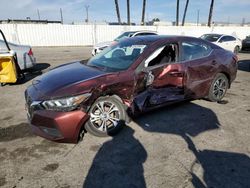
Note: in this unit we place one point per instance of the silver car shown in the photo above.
(227, 42)
(25, 56)
(100, 46)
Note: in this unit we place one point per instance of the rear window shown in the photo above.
(194, 50)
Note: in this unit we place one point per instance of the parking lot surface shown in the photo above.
(192, 144)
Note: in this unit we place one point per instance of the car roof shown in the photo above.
(214, 34)
(140, 31)
(220, 35)
(152, 39)
(156, 38)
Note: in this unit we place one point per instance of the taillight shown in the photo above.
(30, 53)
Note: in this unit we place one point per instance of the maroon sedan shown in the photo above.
(133, 76)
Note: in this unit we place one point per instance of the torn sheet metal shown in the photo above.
(152, 97)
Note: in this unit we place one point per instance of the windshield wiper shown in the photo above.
(97, 67)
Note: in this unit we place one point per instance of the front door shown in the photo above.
(161, 79)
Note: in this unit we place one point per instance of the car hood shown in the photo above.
(62, 77)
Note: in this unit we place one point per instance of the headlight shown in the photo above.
(65, 104)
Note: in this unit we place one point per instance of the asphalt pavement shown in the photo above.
(192, 144)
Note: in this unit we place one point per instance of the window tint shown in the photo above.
(124, 35)
(227, 39)
(194, 50)
(163, 55)
(144, 34)
(117, 57)
(211, 37)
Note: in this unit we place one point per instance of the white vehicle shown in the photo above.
(100, 46)
(227, 42)
(24, 54)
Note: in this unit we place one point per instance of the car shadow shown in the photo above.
(244, 65)
(118, 163)
(220, 169)
(33, 72)
(179, 119)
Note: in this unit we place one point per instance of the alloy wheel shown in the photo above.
(219, 88)
(104, 116)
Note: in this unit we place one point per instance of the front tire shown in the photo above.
(107, 117)
(218, 88)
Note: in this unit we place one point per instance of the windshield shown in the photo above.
(124, 35)
(211, 37)
(117, 57)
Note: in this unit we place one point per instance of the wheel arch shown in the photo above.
(228, 77)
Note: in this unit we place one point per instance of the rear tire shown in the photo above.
(218, 88)
(107, 117)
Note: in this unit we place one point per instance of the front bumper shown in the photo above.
(58, 126)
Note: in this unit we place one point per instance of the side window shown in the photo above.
(230, 38)
(227, 39)
(194, 50)
(223, 39)
(163, 55)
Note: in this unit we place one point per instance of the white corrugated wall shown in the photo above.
(81, 35)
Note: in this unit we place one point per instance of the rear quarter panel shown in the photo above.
(227, 63)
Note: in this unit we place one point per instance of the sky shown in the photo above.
(232, 11)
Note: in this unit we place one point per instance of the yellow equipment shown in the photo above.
(8, 72)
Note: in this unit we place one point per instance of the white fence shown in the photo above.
(81, 35)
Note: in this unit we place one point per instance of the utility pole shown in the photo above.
(185, 12)
(143, 13)
(38, 14)
(177, 12)
(198, 16)
(243, 21)
(228, 20)
(210, 13)
(118, 12)
(61, 16)
(87, 12)
(128, 11)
